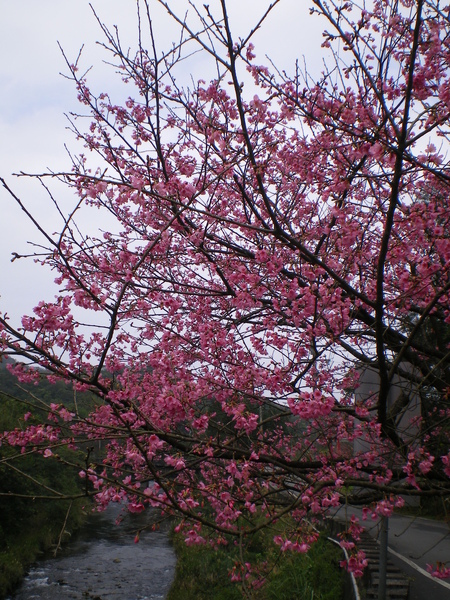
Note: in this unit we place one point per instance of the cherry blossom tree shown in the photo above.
(273, 237)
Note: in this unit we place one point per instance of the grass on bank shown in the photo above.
(202, 573)
(35, 534)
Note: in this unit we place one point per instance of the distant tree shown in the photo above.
(265, 245)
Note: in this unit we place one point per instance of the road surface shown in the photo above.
(414, 542)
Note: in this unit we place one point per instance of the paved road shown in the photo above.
(414, 543)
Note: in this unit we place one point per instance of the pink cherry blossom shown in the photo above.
(440, 571)
(258, 310)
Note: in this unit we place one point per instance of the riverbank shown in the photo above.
(102, 560)
(49, 525)
(203, 573)
(31, 523)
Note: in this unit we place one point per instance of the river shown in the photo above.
(102, 562)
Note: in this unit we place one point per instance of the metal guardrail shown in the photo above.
(355, 595)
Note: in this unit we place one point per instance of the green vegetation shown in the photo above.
(35, 527)
(37, 397)
(203, 573)
(314, 575)
(30, 524)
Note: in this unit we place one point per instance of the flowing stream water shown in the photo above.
(102, 562)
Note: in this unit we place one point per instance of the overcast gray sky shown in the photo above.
(34, 97)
